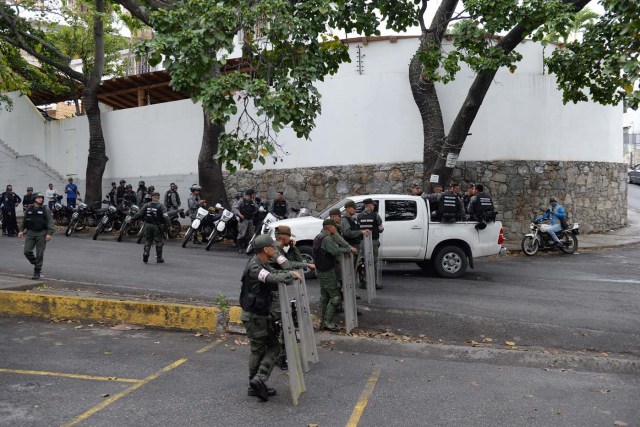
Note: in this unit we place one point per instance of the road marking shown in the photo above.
(364, 399)
(209, 347)
(123, 393)
(63, 375)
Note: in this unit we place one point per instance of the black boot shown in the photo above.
(145, 254)
(159, 259)
(36, 274)
(282, 362)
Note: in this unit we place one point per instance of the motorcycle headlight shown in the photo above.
(112, 209)
(134, 208)
(58, 206)
(82, 206)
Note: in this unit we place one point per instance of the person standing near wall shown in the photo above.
(27, 199)
(172, 198)
(245, 209)
(370, 220)
(72, 192)
(51, 194)
(9, 201)
(112, 196)
(38, 226)
(279, 207)
(120, 191)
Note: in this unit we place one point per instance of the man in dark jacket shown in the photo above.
(9, 201)
(38, 226)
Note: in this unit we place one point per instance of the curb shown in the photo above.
(157, 315)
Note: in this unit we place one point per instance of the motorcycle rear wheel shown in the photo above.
(530, 246)
(213, 238)
(187, 237)
(569, 243)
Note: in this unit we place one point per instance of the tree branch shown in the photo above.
(137, 9)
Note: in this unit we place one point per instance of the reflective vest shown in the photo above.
(154, 213)
(247, 209)
(483, 207)
(353, 241)
(35, 218)
(447, 207)
(280, 207)
(369, 221)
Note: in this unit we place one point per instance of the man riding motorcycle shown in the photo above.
(557, 215)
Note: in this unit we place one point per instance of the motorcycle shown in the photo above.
(224, 228)
(112, 218)
(262, 229)
(205, 219)
(61, 213)
(540, 239)
(128, 226)
(85, 216)
(175, 227)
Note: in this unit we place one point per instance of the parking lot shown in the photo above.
(94, 375)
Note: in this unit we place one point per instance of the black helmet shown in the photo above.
(35, 196)
(141, 183)
(122, 181)
(30, 189)
(250, 191)
(128, 186)
(238, 194)
(151, 188)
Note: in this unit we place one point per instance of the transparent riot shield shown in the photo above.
(309, 350)
(296, 378)
(349, 292)
(369, 267)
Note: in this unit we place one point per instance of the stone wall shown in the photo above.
(593, 193)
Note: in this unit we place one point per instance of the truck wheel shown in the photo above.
(307, 256)
(450, 262)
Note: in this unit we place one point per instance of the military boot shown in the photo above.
(36, 274)
(159, 259)
(282, 362)
(270, 392)
(145, 254)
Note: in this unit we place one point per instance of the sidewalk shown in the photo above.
(20, 296)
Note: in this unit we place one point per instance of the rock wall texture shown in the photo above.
(593, 193)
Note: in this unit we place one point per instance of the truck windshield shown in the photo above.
(339, 205)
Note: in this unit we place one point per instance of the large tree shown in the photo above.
(54, 46)
(286, 47)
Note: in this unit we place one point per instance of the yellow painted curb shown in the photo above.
(161, 315)
(234, 314)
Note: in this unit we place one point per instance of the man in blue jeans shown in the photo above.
(72, 193)
(556, 213)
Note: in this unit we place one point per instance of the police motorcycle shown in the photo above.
(205, 218)
(225, 227)
(86, 216)
(112, 219)
(261, 229)
(540, 239)
(129, 226)
(61, 213)
(175, 227)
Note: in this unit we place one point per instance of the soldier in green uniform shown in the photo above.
(353, 234)
(259, 280)
(370, 220)
(38, 226)
(324, 253)
(286, 257)
(156, 221)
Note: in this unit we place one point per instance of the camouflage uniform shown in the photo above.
(330, 296)
(261, 279)
(157, 220)
(37, 223)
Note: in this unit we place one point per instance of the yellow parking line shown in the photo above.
(123, 393)
(364, 399)
(209, 347)
(63, 375)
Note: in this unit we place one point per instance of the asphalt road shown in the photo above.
(91, 375)
(582, 302)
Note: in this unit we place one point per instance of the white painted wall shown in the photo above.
(366, 118)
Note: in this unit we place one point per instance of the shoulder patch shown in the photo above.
(281, 259)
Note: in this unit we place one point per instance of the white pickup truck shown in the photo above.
(410, 235)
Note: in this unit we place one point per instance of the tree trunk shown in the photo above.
(97, 159)
(210, 171)
(425, 95)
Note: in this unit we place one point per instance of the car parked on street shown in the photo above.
(634, 174)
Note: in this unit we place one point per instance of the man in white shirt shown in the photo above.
(50, 194)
